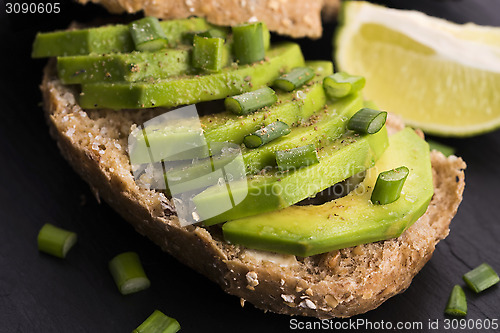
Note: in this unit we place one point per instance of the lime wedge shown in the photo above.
(440, 76)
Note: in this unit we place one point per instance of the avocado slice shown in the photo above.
(109, 39)
(227, 126)
(339, 160)
(348, 221)
(130, 67)
(176, 91)
(200, 174)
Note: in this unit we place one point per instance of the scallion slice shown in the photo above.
(251, 101)
(208, 53)
(389, 185)
(480, 278)
(148, 34)
(296, 158)
(266, 134)
(341, 84)
(367, 121)
(296, 78)
(457, 303)
(55, 241)
(127, 271)
(248, 43)
(158, 322)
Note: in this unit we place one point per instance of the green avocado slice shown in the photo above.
(130, 67)
(341, 159)
(227, 126)
(192, 89)
(348, 221)
(109, 39)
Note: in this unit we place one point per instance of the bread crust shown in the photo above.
(340, 283)
(296, 18)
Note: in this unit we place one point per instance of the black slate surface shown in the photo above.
(39, 293)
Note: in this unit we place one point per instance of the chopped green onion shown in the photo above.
(208, 53)
(480, 278)
(266, 134)
(55, 241)
(367, 121)
(127, 271)
(248, 43)
(296, 158)
(294, 79)
(389, 185)
(457, 303)
(341, 84)
(251, 101)
(446, 150)
(158, 322)
(148, 34)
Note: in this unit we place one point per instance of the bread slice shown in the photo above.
(296, 18)
(341, 283)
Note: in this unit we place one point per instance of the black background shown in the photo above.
(39, 293)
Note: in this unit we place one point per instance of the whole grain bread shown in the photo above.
(296, 18)
(341, 283)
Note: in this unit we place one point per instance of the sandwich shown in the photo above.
(331, 276)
